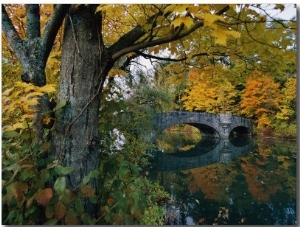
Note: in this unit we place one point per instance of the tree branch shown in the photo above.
(131, 37)
(14, 40)
(178, 34)
(256, 40)
(32, 21)
(148, 56)
(53, 26)
(133, 48)
(275, 20)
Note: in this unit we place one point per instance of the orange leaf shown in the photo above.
(87, 190)
(60, 210)
(17, 191)
(110, 201)
(43, 197)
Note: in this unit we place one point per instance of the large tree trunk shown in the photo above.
(76, 139)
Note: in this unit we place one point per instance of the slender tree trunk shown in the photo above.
(76, 140)
(33, 52)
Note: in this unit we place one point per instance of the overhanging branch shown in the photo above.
(148, 56)
(178, 34)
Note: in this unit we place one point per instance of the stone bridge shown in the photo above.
(213, 125)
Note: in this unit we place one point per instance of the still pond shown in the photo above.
(226, 181)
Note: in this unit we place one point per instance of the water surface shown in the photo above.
(236, 181)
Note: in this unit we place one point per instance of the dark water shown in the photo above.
(237, 181)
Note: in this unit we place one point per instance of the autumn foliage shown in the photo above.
(209, 91)
(35, 186)
(261, 99)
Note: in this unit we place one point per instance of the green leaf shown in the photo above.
(123, 171)
(122, 105)
(85, 219)
(67, 170)
(60, 184)
(94, 199)
(9, 134)
(136, 196)
(79, 206)
(13, 167)
(60, 170)
(25, 135)
(49, 212)
(60, 105)
(94, 173)
(86, 179)
(66, 197)
(52, 221)
(71, 217)
(27, 173)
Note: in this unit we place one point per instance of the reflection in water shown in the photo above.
(204, 153)
(255, 183)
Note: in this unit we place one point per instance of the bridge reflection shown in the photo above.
(207, 151)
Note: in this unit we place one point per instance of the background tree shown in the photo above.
(209, 91)
(261, 99)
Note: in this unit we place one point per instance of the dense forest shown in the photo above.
(78, 102)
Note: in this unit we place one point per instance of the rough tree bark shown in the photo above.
(84, 66)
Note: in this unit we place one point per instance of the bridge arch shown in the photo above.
(206, 130)
(240, 130)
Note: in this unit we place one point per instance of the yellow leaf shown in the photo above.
(130, 54)
(209, 19)
(170, 8)
(187, 21)
(18, 125)
(234, 34)
(26, 116)
(7, 92)
(22, 84)
(221, 35)
(16, 94)
(29, 201)
(8, 128)
(117, 72)
(49, 88)
(155, 49)
(32, 94)
(32, 102)
(102, 7)
(30, 88)
(47, 120)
